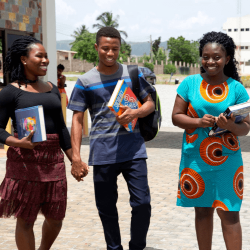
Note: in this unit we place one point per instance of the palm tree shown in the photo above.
(80, 31)
(106, 20)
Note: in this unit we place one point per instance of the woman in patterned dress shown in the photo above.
(211, 168)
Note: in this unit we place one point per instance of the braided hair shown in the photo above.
(13, 64)
(228, 45)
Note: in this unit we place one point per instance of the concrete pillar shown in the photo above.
(70, 61)
(143, 61)
(136, 60)
(175, 63)
(49, 37)
(161, 62)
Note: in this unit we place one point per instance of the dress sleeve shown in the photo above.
(63, 132)
(183, 89)
(78, 100)
(6, 108)
(241, 93)
(145, 87)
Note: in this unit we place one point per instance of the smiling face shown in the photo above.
(214, 59)
(35, 64)
(108, 51)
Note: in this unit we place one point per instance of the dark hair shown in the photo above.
(107, 32)
(228, 45)
(13, 64)
(60, 66)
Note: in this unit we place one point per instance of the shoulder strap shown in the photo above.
(133, 74)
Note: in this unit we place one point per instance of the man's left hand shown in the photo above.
(127, 116)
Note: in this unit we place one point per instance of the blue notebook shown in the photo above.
(31, 119)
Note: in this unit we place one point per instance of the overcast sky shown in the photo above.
(140, 19)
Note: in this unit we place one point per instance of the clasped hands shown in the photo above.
(79, 170)
(127, 115)
(221, 121)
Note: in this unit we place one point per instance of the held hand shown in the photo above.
(26, 142)
(79, 170)
(127, 116)
(207, 121)
(223, 122)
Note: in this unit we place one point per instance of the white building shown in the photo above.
(239, 29)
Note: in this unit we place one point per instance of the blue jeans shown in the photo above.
(106, 195)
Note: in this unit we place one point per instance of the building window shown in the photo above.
(235, 30)
(242, 29)
(247, 29)
(248, 63)
(241, 47)
(229, 30)
(241, 63)
(66, 58)
(246, 47)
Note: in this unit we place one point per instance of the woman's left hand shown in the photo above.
(223, 122)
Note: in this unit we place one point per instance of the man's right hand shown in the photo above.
(79, 170)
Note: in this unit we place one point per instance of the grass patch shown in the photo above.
(246, 84)
(246, 81)
(72, 78)
(73, 73)
(164, 78)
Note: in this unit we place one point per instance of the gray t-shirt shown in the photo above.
(110, 142)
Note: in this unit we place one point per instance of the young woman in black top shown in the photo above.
(35, 179)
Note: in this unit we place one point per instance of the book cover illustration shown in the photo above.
(123, 96)
(31, 119)
(240, 112)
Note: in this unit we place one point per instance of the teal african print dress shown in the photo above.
(211, 168)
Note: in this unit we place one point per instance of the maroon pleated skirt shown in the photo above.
(35, 182)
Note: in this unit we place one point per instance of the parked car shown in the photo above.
(149, 75)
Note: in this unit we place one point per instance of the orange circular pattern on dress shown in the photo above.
(191, 183)
(211, 151)
(230, 141)
(238, 182)
(192, 113)
(191, 138)
(214, 93)
(220, 205)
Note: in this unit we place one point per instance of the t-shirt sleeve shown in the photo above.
(241, 93)
(145, 87)
(183, 89)
(78, 100)
(6, 106)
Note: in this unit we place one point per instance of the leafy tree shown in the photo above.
(80, 31)
(84, 45)
(149, 65)
(160, 56)
(169, 68)
(106, 20)
(125, 51)
(155, 45)
(182, 50)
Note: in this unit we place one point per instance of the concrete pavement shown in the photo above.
(171, 227)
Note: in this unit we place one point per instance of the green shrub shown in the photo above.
(184, 70)
(169, 68)
(149, 65)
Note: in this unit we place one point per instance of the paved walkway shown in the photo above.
(171, 227)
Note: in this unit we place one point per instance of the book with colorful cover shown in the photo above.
(31, 119)
(123, 96)
(240, 112)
